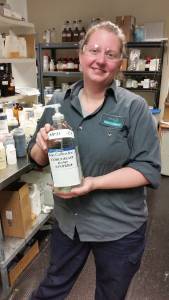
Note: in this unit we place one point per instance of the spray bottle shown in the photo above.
(63, 154)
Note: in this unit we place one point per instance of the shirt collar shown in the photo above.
(74, 89)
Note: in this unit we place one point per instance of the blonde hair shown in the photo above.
(108, 26)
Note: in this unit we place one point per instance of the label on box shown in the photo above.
(9, 215)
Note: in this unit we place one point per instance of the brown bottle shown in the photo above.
(69, 35)
(75, 36)
(82, 33)
(11, 87)
(17, 107)
(64, 35)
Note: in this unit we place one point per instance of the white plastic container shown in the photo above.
(11, 154)
(34, 195)
(1, 46)
(2, 157)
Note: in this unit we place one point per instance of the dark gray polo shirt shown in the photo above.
(120, 133)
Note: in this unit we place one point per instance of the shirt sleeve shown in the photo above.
(45, 118)
(145, 146)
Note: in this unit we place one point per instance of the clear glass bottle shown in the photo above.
(53, 35)
(63, 155)
(52, 65)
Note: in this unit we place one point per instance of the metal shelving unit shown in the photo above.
(24, 71)
(53, 47)
(10, 246)
(61, 74)
(148, 47)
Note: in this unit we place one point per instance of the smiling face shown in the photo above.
(100, 58)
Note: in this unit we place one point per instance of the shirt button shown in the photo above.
(75, 214)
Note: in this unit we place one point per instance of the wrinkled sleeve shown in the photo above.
(46, 118)
(145, 146)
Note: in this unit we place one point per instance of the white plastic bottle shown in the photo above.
(34, 195)
(11, 154)
(63, 155)
(2, 157)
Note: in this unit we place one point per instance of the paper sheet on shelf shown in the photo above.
(164, 122)
(27, 91)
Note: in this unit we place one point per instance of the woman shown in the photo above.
(119, 152)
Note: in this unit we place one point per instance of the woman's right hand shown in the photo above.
(39, 151)
(42, 137)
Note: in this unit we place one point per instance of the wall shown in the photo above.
(52, 13)
(19, 6)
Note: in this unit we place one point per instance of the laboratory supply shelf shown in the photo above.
(55, 50)
(17, 60)
(7, 23)
(148, 49)
(61, 74)
(142, 73)
(155, 48)
(146, 44)
(23, 69)
(15, 98)
(12, 245)
(13, 172)
(66, 45)
(143, 89)
(24, 73)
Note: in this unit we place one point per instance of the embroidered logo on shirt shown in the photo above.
(112, 121)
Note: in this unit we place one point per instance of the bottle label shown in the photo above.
(4, 82)
(64, 167)
(60, 133)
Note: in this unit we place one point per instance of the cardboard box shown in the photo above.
(15, 210)
(164, 144)
(16, 270)
(127, 24)
(124, 65)
(166, 112)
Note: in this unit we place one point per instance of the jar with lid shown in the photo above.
(20, 142)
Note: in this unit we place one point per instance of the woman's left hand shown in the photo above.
(86, 187)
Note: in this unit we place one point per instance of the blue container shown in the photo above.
(20, 142)
(139, 34)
